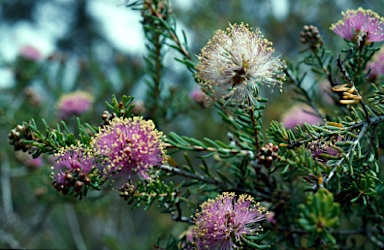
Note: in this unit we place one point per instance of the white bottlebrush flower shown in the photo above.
(235, 62)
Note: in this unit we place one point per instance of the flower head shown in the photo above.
(358, 24)
(235, 62)
(131, 148)
(73, 168)
(223, 221)
(75, 103)
(30, 52)
(298, 115)
(197, 95)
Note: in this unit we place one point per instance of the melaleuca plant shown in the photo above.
(277, 188)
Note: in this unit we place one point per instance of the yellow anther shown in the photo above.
(349, 101)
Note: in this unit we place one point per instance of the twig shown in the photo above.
(6, 188)
(7, 238)
(74, 227)
(255, 131)
(37, 227)
(362, 231)
(213, 182)
(179, 216)
(211, 149)
(338, 163)
(171, 33)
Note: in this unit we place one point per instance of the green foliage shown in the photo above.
(122, 108)
(318, 215)
(311, 178)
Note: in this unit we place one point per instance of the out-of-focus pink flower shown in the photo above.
(325, 93)
(28, 160)
(298, 115)
(223, 221)
(30, 52)
(376, 65)
(75, 103)
(197, 95)
(131, 147)
(200, 97)
(188, 238)
(359, 23)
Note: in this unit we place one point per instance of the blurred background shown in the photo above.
(51, 48)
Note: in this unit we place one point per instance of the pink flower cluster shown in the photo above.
(123, 150)
(298, 115)
(360, 23)
(30, 52)
(74, 103)
(223, 221)
(131, 148)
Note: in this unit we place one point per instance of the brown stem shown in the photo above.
(211, 149)
(255, 131)
(172, 34)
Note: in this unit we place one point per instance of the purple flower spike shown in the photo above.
(223, 221)
(75, 103)
(359, 23)
(131, 148)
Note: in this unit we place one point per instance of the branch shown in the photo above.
(179, 216)
(350, 150)
(212, 149)
(74, 226)
(255, 131)
(37, 227)
(172, 34)
(214, 182)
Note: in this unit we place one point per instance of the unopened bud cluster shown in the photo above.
(127, 190)
(18, 136)
(268, 154)
(75, 178)
(32, 96)
(310, 35)
(107, 117)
